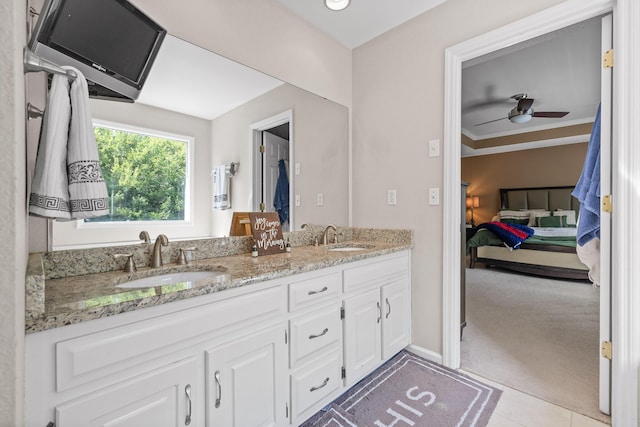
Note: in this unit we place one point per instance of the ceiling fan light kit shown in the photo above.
(336, 4)
(516, 116)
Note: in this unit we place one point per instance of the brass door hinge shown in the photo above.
(607, 59)
(607, 205)
(606, 349)
(263, 148)
(262, 207)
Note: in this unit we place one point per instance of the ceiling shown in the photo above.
(362, 20)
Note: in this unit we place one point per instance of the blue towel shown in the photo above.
(587, 190)
(281, 198)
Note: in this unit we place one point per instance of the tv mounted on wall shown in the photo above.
(111, 42)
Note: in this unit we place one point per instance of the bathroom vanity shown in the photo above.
(267, 342)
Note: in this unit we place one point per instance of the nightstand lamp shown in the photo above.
(473, 202)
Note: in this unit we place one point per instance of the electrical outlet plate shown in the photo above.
(434, 196)
(297, 167)
(297, 200)
(320, 199)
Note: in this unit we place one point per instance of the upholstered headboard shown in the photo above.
(547, 198)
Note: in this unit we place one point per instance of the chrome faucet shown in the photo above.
(156, 255)
(326, 231)
(315, 238)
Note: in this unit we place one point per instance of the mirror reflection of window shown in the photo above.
(146, 174)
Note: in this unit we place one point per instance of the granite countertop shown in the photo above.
(54, 301)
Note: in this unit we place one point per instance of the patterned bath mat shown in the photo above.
(411, 391)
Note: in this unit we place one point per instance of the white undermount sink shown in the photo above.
(348, 247)
(188, 277)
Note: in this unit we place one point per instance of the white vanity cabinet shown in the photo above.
(268, 354)
(376, 314)
(246, 380)
(160, 398)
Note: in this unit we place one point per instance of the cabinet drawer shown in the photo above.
(311, 385)
(310, 291)
(314, 331)
(93, 356)
(375, 274)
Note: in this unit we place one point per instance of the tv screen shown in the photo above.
(111, 42)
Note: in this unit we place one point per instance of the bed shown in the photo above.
(551, 251)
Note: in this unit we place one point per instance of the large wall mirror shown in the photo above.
(225, 108)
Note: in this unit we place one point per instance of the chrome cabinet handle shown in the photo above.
(379, 312)
(317, 292)
(187, 391)
(320, 334)
(216, 375)
(318, 387)
(388, 308)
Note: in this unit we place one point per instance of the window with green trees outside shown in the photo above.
(146, 175)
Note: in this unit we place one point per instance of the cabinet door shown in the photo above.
(247, 381)
(362, 317)
(395, 317)
(162, 398)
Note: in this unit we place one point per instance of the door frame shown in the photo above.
(626, 271)
(256, 140)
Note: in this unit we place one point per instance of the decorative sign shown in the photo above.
(267, 232)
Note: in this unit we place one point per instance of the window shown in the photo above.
(146, 173)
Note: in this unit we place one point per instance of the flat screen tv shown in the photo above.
(111, 42)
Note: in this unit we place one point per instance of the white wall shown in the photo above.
(398, 102)
(13, 250)
(320, 144)
(264, 35)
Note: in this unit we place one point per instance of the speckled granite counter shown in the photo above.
(70, 287)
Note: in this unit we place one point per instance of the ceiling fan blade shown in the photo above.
(490, 121)
(524, 104)
(550, 114)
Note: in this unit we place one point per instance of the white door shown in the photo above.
(362, 317)
(164, 397)
(605, 218)
(247, 381)
(395, 317)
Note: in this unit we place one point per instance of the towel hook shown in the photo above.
(33, 62)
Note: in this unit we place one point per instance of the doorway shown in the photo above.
(272, 154)
(544, 22)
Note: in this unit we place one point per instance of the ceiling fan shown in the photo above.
(523, 112)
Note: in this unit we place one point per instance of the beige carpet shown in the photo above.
(539, 336)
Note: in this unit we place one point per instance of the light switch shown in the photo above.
(391, 197)
(297, 168)
(434, 148)
(297, 200)
(434, 196)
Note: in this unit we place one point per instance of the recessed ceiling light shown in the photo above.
(336, 4)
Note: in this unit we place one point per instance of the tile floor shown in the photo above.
(517, 409)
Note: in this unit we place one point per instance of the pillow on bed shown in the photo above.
(570, 214)
(551, 221)
(535, 214)
(515, 216)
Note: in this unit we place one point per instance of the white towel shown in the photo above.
(67, 183)
(88, 195)
(221, 199)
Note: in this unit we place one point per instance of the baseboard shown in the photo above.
(423, 352)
